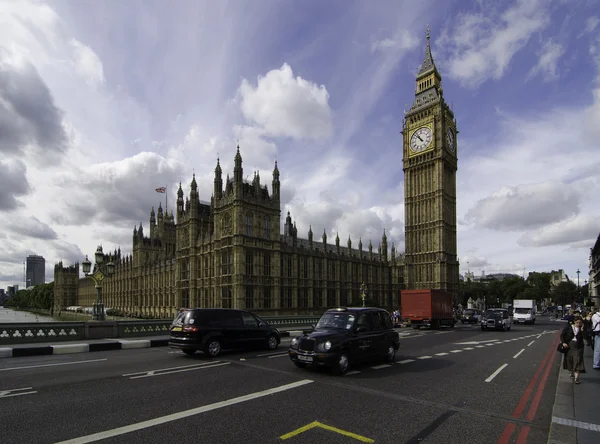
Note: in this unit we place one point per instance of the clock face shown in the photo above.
(451, 140)
(421, 139)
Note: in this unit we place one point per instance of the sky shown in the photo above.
(102, 102)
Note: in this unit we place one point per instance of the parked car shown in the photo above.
(497, 319)
(213, 330)
(470, 316)
(345, 336)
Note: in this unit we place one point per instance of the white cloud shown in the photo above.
(592, 23)
(287, 106)
(480, 46)
(525, 206)
(581, 230)
(87, 63)
(547, 65)
(403, 40)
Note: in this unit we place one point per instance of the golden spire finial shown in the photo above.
(428, 32)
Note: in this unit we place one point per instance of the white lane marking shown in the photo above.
(184, 414)
(530, 343)
(442, 332)
(578, 424)
(279, 356)
(201, 364)
(51, 365)
(152, 372)
(480, 346)
(441, 354)
(507, 340)
(493, 343)
(379, 367)
(8, 393)
(424, 357)
(517, 355)
(455, 351)
(493, 375)
(468, 348)
(353, 372)
(269, 354)
(406, 361)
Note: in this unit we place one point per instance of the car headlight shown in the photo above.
(295, 341)
(327, 345)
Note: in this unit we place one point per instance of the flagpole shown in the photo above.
(166, 197)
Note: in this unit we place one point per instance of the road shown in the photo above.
(448, 386)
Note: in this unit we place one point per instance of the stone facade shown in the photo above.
(430, 165)
(230, 253)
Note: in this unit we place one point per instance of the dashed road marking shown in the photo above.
(441, 354)
(496, 373)
(468, 348)
(530, 343)
(578, 424)
(406, 361)
(16, 392)
(353, 372)
(379, 367)
(455, 351)
(517, 355)
(424, 357)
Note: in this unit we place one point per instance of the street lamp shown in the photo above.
(363, 293)
(101, 271)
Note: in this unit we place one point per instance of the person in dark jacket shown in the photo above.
(587, 329)
(572, 340)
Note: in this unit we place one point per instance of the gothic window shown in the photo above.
(249, 221)
(267, 227)
(267, 263)
(266, 297)
(185, 297)
(289, 267)
(226, 262)
(344, 297)
(305, 260)
(226, 297)
(249, 297)
(331, 297)
(249, 263)
(289, 298)
(226, 227)
(303, 297)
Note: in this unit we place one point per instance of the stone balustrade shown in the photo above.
(22, 333)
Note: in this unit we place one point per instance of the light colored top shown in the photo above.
(596, 321)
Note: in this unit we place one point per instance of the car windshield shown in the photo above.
(336, 320)
(522, 310)
(493, 314)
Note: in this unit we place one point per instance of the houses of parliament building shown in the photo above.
(230, 252)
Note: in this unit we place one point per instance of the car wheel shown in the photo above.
(213, 348)
(272, 342)
(342, 365)
(390, 357)
(189, 352)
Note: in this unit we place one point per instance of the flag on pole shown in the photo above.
(161, 190)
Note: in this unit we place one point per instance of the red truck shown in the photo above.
(427, 308)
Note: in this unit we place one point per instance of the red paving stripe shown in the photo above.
(511, 427)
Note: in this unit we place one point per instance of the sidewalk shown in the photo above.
(576, 412)
(92, 345)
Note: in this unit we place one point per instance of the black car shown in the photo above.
(344, 336)
(497, 319)
(213, 330)
(470, 316)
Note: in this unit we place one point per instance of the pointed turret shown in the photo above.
(288, 228)
(276, 183)
(218, 182)
(360, 244)
(179, 204)
(349, 243)
(310, 236)
(324, 236)
(238, 171)
(384, 247)
(428, 81)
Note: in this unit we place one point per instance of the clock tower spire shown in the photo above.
(430, 165)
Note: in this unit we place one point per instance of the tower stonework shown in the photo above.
(430, 164)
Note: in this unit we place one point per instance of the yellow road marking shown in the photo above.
(314, 424)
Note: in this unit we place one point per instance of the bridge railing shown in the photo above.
(36, 332)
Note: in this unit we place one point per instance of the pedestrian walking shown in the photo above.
(596, 338)
(572, 340)
(587, 329)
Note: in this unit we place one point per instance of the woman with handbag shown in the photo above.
(572, 340)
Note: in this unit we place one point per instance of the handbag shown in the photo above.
(561, 348)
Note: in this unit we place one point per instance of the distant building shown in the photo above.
(556, 277)
(36, 271)
(12, 290)
(3, 296)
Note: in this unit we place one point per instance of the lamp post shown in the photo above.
(578, 290)
(100, 272)
(363, 293)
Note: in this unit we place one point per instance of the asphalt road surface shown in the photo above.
(448, 386)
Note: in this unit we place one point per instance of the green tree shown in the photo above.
(564, 293)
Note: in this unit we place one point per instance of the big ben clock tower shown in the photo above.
(430, 164)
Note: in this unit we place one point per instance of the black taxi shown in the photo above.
(345, 336)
